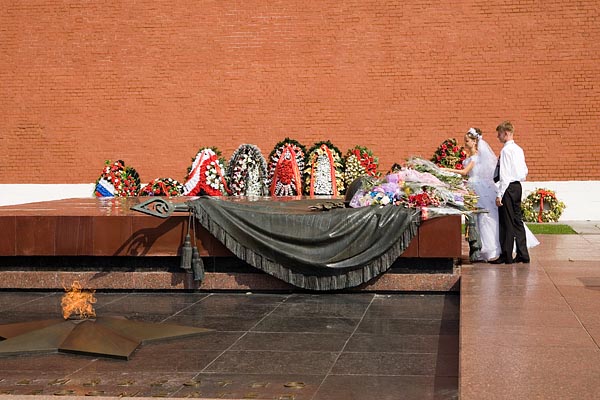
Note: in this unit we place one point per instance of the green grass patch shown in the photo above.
(551, 229)
(545, 229)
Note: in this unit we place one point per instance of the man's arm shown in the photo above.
(505, 163)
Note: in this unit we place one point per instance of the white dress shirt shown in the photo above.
(512, 166)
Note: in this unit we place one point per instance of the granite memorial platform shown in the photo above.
(104, 244)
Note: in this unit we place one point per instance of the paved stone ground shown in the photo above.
(264, 346)
(532, 331)
(521, 326)
(584, 227)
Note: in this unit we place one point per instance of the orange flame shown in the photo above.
(77, 301)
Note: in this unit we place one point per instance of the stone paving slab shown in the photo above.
(584, 227)
(284, 346)
(531, 331)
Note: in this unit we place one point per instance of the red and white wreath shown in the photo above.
(206, 176)
(358, 162)
(286, 163)
(323, 173)
(247, 172)
(162, 187)
(117, 180)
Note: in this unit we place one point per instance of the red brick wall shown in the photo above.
(151, 81)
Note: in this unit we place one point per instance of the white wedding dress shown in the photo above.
(481, 181)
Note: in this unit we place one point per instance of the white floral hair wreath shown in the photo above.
(474, 133)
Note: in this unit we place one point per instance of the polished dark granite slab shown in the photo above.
(108, 227)
(265, 346)
(105, 245)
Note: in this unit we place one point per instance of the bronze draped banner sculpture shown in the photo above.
(317, 250)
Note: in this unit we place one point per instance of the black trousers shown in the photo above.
(512, 229)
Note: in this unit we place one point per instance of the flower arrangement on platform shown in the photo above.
(359, 161)
(395, 168)
(463, 195)
(286, 163)
(542, 206)
(383, 194)
(162, 187)
(324, 170)
(469, 199)
(449, 154)
(391, 191)
(117, 180)
(411, 188)
(206, 175)
(425, 198)
(247, 172)
(423, 165)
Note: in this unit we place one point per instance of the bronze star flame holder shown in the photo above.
(85, 333)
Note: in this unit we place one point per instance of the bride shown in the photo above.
(479, 167)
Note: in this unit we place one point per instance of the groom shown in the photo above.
(510, 171)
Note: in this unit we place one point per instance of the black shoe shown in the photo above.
(498, 260)
(518, 259)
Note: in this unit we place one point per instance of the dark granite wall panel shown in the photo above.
(440, 237)
(74, 236)
(7, 235)
(35, 235)
(108, 227)
(113, 237)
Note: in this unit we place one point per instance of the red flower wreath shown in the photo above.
(206, 176)
(162, 187)
(286, 162)
(359, 161)
(449, 155)
(117, 180)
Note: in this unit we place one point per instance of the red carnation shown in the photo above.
(285, 173)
